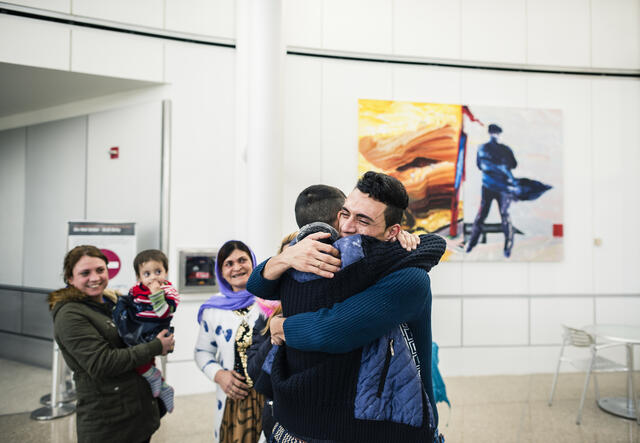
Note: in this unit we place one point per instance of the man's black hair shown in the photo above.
(494, 129)
(387, 190)
(319, 203)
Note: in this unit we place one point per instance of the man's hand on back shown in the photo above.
(407, 240)
(276, 329)
(308, 255)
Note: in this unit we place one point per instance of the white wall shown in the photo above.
(600, 136)
(212, 18)
(489, 318)
(53, 196)
(202, 178)
(565, 33)
(13, 149)
(127, 188)
(569, 33)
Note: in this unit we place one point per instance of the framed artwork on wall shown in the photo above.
(488, 179)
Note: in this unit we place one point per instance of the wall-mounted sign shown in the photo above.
(117, 241)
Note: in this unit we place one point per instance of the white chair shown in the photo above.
(581, 339)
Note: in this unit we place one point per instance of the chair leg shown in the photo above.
(595, 385)
(584, 393)
(555, 377)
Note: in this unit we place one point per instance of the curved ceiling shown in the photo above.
(25, 88)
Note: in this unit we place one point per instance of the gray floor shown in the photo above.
(484, 409)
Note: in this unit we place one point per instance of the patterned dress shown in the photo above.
(222, 341)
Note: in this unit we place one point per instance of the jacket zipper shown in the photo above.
(385, 368)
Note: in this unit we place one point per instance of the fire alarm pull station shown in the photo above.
(114, 152)
(197, 273)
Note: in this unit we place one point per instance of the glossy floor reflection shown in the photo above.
(484, 409)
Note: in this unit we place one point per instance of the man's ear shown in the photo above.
(392, 231)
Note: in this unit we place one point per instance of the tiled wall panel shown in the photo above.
(47, 5)
(446, 321)
(302, 23)
(148, 13)
(427, 28)
(549, 313)
(494, 30)
(117, 55)
(558, 32)
(343, 83)
(615, 34)
(303, 134)
(215, 18)
(499, 321)
(25, 41)
(357, 25)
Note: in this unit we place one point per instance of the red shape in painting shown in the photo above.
(114, 262)
(558, 230)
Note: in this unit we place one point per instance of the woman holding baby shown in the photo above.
(114, 402)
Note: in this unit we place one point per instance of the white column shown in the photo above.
(241, 214)
(260, 60)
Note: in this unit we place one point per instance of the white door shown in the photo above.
(13, 147)
(55, 178)
(127, 188)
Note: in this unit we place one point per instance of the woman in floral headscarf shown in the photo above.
(226, 326)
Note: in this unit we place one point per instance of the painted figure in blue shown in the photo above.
(496, 161)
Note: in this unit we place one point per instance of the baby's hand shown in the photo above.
(154, 286)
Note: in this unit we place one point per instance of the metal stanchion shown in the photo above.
(163, 366)
(57, 408)
(68, 395)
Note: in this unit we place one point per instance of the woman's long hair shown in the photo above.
(74, 256)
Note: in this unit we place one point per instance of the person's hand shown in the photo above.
(232, 384)
(407, 240)
(276, 328)
(311, 255)
(153, 284)
(167, 340)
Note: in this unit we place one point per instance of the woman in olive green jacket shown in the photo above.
(114, 402)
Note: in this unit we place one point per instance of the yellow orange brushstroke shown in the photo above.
(386, 118)
(382, 120)
(436, 219)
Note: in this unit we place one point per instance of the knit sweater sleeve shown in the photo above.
(363, 317)
(262, 287)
